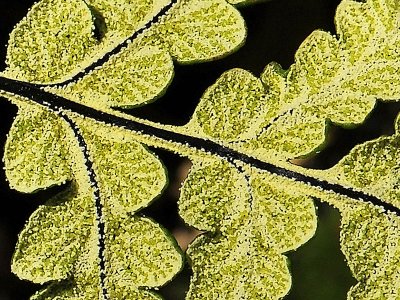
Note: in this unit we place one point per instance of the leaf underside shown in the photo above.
(90, 242)
(281, 116)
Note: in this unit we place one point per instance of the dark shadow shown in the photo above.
(341, 140)
(164, 210)
(177, 288)
(318, 268)
(100, 26)
(275, 31)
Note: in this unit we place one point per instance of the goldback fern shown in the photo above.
(74, 66)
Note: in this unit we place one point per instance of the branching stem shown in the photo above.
(170, 139)
(98, 205)
(97, 199)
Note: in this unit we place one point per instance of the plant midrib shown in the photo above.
(101, 61)
(97, 199)
(36, 89)
(170, 139)
(61, 106)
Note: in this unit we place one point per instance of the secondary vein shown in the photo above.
(56, 103)
(101, 61)
(98, 205)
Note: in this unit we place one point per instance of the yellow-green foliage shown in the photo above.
(252, 222)
(252, 203)
(61, 238)
(64, 242)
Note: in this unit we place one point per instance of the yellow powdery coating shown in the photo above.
(135, 76)
(140, 254)
(236, 267)
(137, 250)
(190, 31)
(315, 91)
(85, 283)
(128, 174)
(199, 30)
(117, 20)
(85, 292)
(56, 55)
(369, 35)
(228, 108)
(36, 155)
(371, 244)
(251, 221)
(51, 42)
(372, 167)
(332, 79)
(50, 243)
(214, 197)
(286, 218)
(68, 250)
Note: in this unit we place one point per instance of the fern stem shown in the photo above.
(174, 141)
(98, 205)
(101, 61)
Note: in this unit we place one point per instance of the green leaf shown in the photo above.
(322, 85)
(50, 243)
(51, 42)
(370, 164)
(103, 54)
(371, 243)
(203, 189)
(253, 222)
(329, 82)
(369, 238)
(146, 73)
(198, 30)
(227, 265)
(254, 205)
(189, 32)
(137, 252)
(46, 162)
(117, 20)
(235, 97)
(129, 175)
(132, 261)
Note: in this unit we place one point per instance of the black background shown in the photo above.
(275, 31)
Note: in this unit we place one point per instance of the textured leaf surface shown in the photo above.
(370, 164)
(129, 176)
(63, 35)
(129, 270)
(199, 30)
(147, 72)
(228, 107)
(370, 239)
(60, 227)
(253, 204)
(284, 115)
(188, 31)
(371, 243)
(138, 253)
(35, 155)
(111, 54)
(252, 223)
(326, 80)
